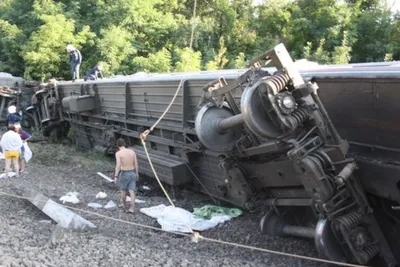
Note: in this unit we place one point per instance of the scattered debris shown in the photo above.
(110, 205)
(10, 174)
(128, 199)
(175, 219)
(208, 211)
(70, 197)
(63, 216)
(146, 187)
(95, 205)
(105, 177)
(6, 90)
(101, 195)
(73, 194)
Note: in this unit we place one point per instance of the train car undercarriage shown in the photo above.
(261, 139)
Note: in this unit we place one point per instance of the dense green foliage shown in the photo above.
(127, 36)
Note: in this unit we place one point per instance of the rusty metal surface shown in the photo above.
(364, 110)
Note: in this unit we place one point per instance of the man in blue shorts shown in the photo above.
(127, 171)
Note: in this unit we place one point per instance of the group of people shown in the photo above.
(13, 143)
(75, 60)
(13, 147)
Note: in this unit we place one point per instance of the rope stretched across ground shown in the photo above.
(194, 237)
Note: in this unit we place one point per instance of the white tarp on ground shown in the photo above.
(175, 219)
(10, 174)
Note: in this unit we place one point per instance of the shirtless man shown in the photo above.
(127, 171)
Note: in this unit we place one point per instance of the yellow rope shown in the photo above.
(143, 137)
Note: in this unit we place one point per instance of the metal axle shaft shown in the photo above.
(299, 231)
(225, 124)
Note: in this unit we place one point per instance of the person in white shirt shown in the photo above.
(11, 144)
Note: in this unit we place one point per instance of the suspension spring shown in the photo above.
(350, 220)
(278, 82)
(326, 159)
(369, 252)
(298, 117)
(320, 159)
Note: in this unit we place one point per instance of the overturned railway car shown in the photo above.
(323, 141)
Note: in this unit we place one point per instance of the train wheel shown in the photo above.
(272, 224)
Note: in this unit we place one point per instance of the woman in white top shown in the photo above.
(11, 144)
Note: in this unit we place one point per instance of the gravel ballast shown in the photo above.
(29, 238)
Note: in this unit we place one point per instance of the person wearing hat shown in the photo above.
(94, 73)
(13, 117)
(75, 60)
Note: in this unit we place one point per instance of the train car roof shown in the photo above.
(358, 70)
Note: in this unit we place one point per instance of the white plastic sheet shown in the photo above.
(10, 174)
(179, 220)
(128, 199)
(70, 197)
(110, 205)
(95, 205)
(28, 152)
(101, 195)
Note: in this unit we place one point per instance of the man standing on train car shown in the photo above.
(75, 60)
(127, 171)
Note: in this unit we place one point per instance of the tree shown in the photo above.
(219, 60)
(44, 53)
(116, 47)
(374, 35)
(157, 62)
(154, 35)
(10, 39)
(341, 54)
(188, 60)
(240, 61)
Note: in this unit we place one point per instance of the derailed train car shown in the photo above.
(322, 142)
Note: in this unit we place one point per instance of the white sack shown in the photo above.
(70, 197)
(28, 152)
(101, 195)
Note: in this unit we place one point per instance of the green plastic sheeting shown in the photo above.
(208, 211)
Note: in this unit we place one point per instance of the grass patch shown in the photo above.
(57, 154)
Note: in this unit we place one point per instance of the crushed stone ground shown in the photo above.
(29, 238)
